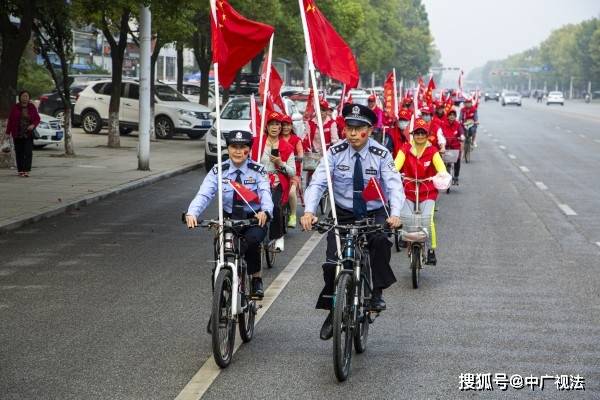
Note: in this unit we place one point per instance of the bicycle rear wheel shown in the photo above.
(246, 318)
(342, 327)
(269, 254)
(223, 327)
(415, 265)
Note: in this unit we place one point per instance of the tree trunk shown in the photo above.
(153, 60)
(201, 44)
(180, 66)
(69, 148)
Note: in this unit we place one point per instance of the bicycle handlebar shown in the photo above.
(229, 223)
(364, 226)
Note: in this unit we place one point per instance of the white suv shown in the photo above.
(173, 113)
(555, 98)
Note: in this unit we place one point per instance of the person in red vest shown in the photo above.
(469, 112)
(288, 134)
(312, 141)
(277, 157)
(454, 134)
(439, 115)
(372, 104)
(436, 136)
(419, 159)
(400, 133)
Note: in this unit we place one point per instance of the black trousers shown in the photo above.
(277, 225)
(457, 167)
(250, 247)
(24, 153)
(380, 251)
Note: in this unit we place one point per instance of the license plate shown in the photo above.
(59, 135)
(207, 123)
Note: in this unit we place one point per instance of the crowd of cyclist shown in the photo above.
(361, 143)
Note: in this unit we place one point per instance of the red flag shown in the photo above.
(373, 191)
(242, 192)
(235, 40)
(449, 104)
(429, 92)
(331, 54)
(388, 95)
(275, 84)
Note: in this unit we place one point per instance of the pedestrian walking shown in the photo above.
(22, 121)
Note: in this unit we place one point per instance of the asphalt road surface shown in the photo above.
(111, 301)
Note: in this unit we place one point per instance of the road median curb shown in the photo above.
(19, 221)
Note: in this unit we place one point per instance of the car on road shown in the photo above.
(555, 98)
(173, 113)
(52, 104)
(49, 131)
(510, 97)
(236, 116)
(491, 95)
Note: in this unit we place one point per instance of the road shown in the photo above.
(111, 301)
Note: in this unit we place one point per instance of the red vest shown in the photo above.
(341, 124)
(313, 131)
(467, 113)
(452, 132)
(421, 168)
(285, 151)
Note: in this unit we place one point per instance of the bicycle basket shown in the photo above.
(415, 228)
(450, 156)
(310, 161)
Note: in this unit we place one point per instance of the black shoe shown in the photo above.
(257, 288)
(327, 328)
(377, 303)
(431, 259)
(209, 326)
(455, 181)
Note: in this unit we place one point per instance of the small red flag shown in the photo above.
(331, 54)
(429, 92)
(309, 111)
(235, 40)
(373, 191)
(243, 193)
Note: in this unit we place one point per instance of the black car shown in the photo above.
(51, 103)
(491, 95)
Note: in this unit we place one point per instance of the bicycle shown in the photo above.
(231, 300)
(415, 231)
(450, 157)
(468, 145)
(353, 287)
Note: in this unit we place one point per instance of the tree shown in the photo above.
(54, 35)
(16, 21)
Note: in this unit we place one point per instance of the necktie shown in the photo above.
(237, 211)
(359, 206)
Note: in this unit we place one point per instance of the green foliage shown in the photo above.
(34, 78)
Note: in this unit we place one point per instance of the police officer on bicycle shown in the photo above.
(352, 163)
(238, 168)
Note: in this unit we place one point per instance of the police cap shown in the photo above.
(239, 137)
(358, 115)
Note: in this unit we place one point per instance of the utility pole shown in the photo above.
(571, 89)
(145, 65)
(590, 89)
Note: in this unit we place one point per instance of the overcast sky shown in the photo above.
(471, 32)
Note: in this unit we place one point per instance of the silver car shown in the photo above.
(510, 97)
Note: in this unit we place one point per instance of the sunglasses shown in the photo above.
(420, 133)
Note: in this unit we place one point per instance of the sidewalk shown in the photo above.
(58, 183)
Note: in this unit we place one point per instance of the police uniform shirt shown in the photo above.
(376, 162)
(253, 177)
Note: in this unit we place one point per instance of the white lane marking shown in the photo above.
(523, 168)
(512, 156)
(6, 272)
(598, 244)
(581, 135)
(502, 147)
(541, 186)
(28, 287)
(209, 371)
(566, 209)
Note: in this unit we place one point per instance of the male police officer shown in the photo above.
(251, 175)
(352, 163)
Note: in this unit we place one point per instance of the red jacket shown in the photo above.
(468, 113)
(399, 138)
(421, 168)
(341, 124)
(452, 133)
(285, 151)
(309, 139)
(14, 119)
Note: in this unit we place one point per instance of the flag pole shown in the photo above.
(253, 116)
(341, 107)
(219, 163)
(263, 118)
(311, 67)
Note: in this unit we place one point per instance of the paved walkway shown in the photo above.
(57, 182)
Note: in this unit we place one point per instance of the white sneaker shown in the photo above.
(278, 245)
(474, 145)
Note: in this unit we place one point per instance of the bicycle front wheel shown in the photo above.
(246, 318)
(223, 327)
(342, 327)
(415, 265)
(361, 333)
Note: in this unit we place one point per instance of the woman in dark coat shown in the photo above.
(22, 120)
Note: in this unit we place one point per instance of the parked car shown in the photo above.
(49, 131)
(191, 91)
(353, 92)
(491, 95)
(52, 104)
(236, 116)
(510, 97)
(555, 98)
(173, 113)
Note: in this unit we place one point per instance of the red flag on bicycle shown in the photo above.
(235, 40)
(373, 191)
(243, 193)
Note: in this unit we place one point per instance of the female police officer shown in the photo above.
(238, 168)
(351, 165)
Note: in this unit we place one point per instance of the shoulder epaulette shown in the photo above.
(378, 151)
(339, 147)
(256, 167)
(224, 167)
